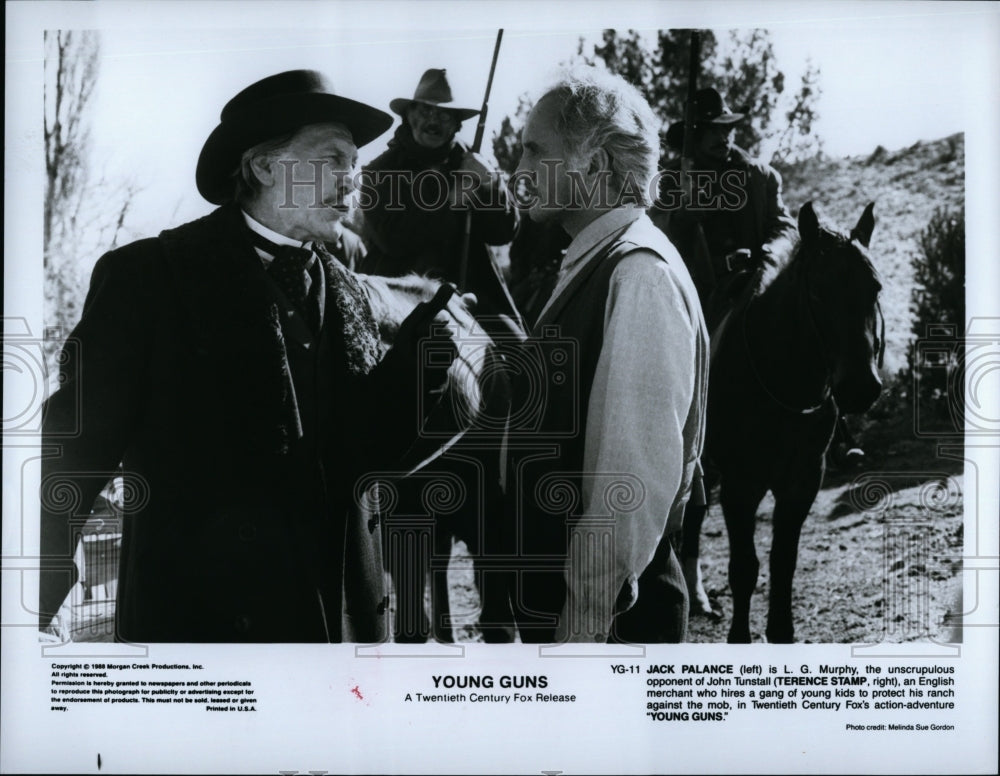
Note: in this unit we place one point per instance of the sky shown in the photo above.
(891, 73)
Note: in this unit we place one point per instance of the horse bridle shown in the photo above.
(878, 335)
(827, 389)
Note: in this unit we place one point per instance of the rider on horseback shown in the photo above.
(730, 218)
(731, 221)
(728, 221)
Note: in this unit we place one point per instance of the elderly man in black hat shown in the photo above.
(234, 369)
(418, 192)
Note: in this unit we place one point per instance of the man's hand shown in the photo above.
(428, 320)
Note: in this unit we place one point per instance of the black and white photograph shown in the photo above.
(379, 377)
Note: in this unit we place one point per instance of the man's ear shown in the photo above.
(263, 169)
(599, 160)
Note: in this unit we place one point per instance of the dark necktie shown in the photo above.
(291, 268)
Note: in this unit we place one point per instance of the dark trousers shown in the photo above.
(660, 615)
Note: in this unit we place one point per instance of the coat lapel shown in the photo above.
(234, 315)
(244, 326)
(348, 321)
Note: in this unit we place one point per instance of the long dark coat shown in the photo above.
(242, 524)
(747, 212)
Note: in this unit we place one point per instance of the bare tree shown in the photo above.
(84, 214)
(71, 67)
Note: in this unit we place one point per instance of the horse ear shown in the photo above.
(808, 223)
(866, 224)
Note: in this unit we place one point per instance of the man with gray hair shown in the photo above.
(601, 486)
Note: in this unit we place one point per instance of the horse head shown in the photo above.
(843, 291)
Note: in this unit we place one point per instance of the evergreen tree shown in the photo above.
(779, 123)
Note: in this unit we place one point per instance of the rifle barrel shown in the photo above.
(481, 127)
(476, 148)
(693, 64)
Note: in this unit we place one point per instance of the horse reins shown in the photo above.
(881, 334)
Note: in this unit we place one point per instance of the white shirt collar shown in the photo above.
(273, 236)
(596, 232)
(591, 237)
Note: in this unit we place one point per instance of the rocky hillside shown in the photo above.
(906, 186)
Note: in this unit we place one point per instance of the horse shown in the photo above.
(804, 343)
(432, 497)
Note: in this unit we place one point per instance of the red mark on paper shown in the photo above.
(357, 692)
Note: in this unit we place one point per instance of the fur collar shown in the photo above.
(233, 316)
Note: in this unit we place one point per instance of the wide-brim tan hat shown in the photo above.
(434, 90)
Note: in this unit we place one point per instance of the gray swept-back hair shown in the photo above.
(603, 110)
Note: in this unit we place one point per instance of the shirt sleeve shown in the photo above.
(634, 449)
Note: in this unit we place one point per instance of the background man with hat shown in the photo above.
(232, 367)
(736, 219)
(419, 190)
(729, 222)
(415, 202)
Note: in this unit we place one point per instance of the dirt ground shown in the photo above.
(887, 572)
(879, 559)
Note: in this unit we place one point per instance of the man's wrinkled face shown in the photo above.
(313, 182)
(714, 142)
(542, 183)
(432, 127)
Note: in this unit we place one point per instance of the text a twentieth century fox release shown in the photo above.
(866, 697)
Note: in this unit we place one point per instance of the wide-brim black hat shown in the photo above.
(709, 110)
(433, 89)
(270, 108)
